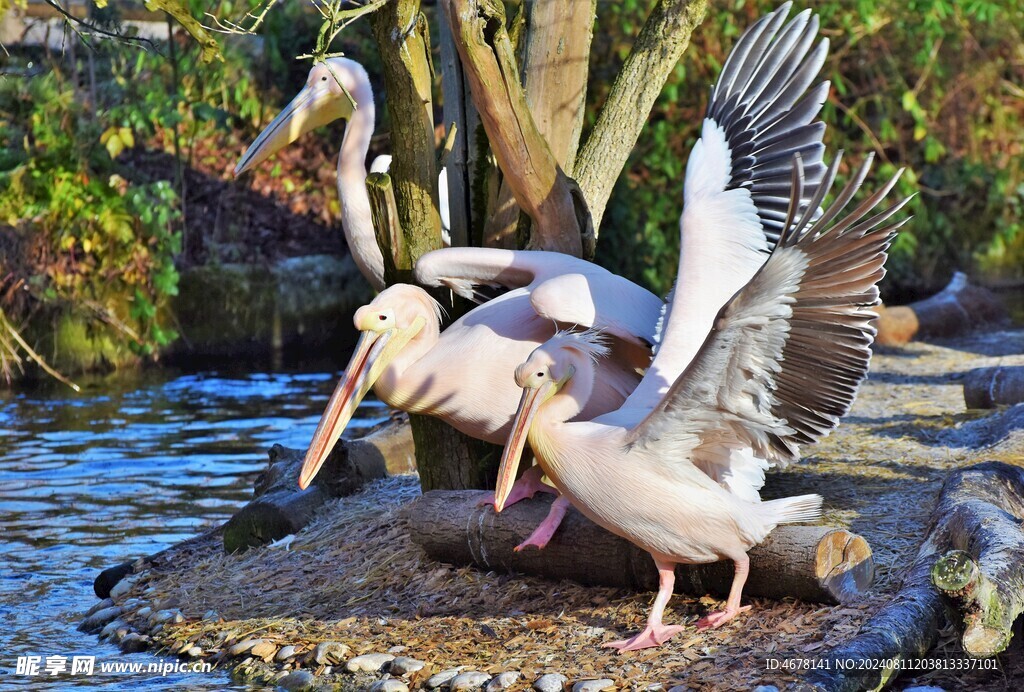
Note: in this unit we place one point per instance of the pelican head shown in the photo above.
(387, 324)
(547, 371)
(331, 92)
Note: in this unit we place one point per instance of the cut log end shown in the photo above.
(845, 565)
(981, 641)
(954, 573)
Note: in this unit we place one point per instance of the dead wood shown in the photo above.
(979, 512)
(991, 387)
(812, 563)
(957, 309)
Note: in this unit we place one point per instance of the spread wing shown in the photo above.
(787, 353)
(761, 113)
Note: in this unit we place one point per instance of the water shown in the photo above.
(127, 468)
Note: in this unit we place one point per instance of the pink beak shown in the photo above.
(528, 405)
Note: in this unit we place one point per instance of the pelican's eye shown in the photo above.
(382, 318)
(540, 374)
(324, 78)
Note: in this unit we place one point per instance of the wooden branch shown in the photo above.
(279, 508)
(957, 309)
(384, 212)
(658, 47)
(979, 510)
(540, 187)
(812, 563)
(456, 114)
(555, 69)
(404, 42)
(991, 387)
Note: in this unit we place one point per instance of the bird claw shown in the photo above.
(716, 620)
(651, 636)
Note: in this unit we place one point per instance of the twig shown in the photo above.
(35, 356)
(92, 28)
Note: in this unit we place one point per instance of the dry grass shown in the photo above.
(354, 576)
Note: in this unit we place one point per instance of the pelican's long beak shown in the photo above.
(530, 402)
(312, 107)
(359, 377)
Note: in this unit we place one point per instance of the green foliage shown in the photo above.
(933, 85)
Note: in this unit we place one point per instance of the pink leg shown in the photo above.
(528, 485)
(732, 606)
(655, 634)
(546, 529)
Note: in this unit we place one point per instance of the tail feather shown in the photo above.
(792, 510)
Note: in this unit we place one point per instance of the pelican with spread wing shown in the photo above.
(782, 362)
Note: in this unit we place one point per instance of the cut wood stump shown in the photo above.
(812, 563)
(974, 551)
(991, 387)
(957, 309)
(279, 508)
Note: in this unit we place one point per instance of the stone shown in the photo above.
(389, 685)
(98, 620)
(285, 653)
(593, 685)
(264, 650)
(134, 641)
(470, 680)
(502, 681)
(442, 678)
(211, 616)
(105, 603)
(297, 680)
(403, 665)
(398, 649)
(112, 627)
(329, 652)
(144, 612)
(552, 682)
(368, 663)
(193, 652)
(121, 588)
(243, 647)
(770, 688)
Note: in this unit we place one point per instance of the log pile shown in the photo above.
(991, 387)
(971, 561)
(812, 563)
(957, 309)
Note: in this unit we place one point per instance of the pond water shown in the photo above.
(128, 467)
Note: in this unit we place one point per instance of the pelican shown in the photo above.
(762, 111)
(324, 100)
(781, 364)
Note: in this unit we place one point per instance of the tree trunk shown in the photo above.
(979, 511)
(991, 387)
(812, 563)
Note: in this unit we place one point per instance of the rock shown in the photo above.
(442, 678)
(121, 588)
(193, 652)
(285, 653)
(397, 649)
(552, 682)
(329, 652)
(105, 603)
(593, 685)
(502, 681)
(470, 680)
(403, 665)
(243, 647)
(773, 688)
(99, 619)
(130, 604)
(134, 641)
(211, 616)
(112, 627)
(162, 616)
(144, 612)
(264, 650)
(297, 680)
(389, 685)
(368, 663)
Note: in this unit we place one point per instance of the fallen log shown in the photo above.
(279, 508)
(979, 511)
(957, 309)
(812, 563)
(991, 387)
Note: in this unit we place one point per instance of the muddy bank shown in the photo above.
(354, 578)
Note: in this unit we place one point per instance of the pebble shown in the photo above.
(264, 650)
(769, 688)
(329, 652)
(297, 680)
(211, 616)
(131, 603)
(403, 665)
(105, 603)
(503, 681)
(166, 616)
(99, 619)
(679, 688)
(442, 678)
(398, 649)
(133, 642)
(470, 680)
(243, 647)
(389, 685)
(552, 682)
(593, 685)
(112, 627)
(144, 612)
(285, 653)
(368, 663)
(121, 588)
(194, 652)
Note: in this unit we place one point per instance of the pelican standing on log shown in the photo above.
(781, 364)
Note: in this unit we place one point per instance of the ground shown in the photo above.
(354, 577)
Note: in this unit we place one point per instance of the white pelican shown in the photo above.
(781, 364)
